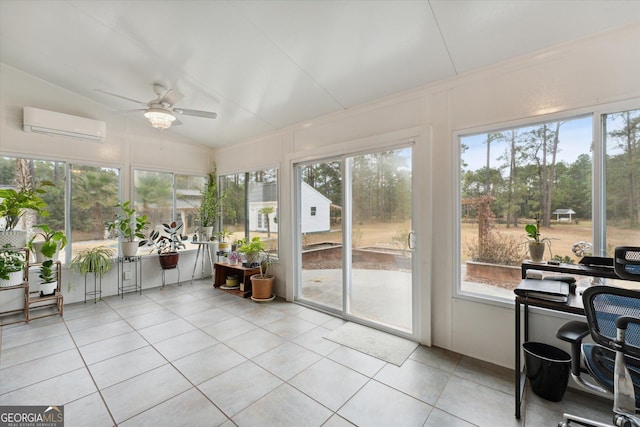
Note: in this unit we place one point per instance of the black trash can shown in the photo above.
(548, 369)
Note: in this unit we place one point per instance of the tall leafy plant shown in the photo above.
(211, 201)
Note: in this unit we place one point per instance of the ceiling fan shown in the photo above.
(160, 111)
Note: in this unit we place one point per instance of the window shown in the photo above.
(313, 211)
(94, 193)
(166, 197)
(250, 206)
(621, 132)
(17, 172)
(509, 177)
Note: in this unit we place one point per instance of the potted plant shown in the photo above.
(15, 203)
(12, 263)
(262, 284)
(48, 277)
(129, 227)
(252, 250)
(536, 244)
(47, 248)
(93, 260)
(209, 209)
(223, 246)
(166, 246)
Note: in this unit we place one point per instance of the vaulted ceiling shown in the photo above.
(264, 65)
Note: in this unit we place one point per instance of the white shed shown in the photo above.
(316, 209)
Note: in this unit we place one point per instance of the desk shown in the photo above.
(573, 306)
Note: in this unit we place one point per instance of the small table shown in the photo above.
(244, 273)
(205, 247)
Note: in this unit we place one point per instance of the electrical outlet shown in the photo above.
(126, 275)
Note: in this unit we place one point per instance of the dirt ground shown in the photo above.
(562, 236)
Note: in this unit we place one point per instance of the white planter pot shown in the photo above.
(15, 238)
(37, 251)
(205, 234)
(129, 248)
(15, 279)
(48, 288)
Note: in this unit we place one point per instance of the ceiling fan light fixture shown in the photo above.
(159, 119)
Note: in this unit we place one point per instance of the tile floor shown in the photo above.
(192, 355)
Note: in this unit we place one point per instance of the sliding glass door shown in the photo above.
(354, 224)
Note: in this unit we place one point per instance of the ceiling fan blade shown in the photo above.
(171, 97)
(196, 113)
(176, 122)
(120, 96)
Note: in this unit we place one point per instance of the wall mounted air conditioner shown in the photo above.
(50, 122)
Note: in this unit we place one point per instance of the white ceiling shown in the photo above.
(263, 65)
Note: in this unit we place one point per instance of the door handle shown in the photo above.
(410, 240)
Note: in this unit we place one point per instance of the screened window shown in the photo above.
(313, 211)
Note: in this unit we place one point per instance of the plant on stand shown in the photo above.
(167, 245)
(93, 261)
(129, 227)
(52, 241)
(48, 278)
(252, 250)
(14, 204)
(535, 242)
(224, 246)
(12, 263)
(96, 261)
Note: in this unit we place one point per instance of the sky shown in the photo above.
(576, 137)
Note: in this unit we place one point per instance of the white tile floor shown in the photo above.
(192, 355)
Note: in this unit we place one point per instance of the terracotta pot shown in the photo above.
(169, 261)
(262, 286)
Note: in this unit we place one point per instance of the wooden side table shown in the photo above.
(244, 274)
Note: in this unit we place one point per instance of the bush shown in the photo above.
(499, 249)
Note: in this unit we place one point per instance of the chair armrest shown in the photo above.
(573, 332)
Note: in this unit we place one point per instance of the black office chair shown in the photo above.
(613, 320)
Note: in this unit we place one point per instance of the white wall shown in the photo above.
(130, 144)
(576, 77)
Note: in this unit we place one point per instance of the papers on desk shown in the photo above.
(549, 290)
